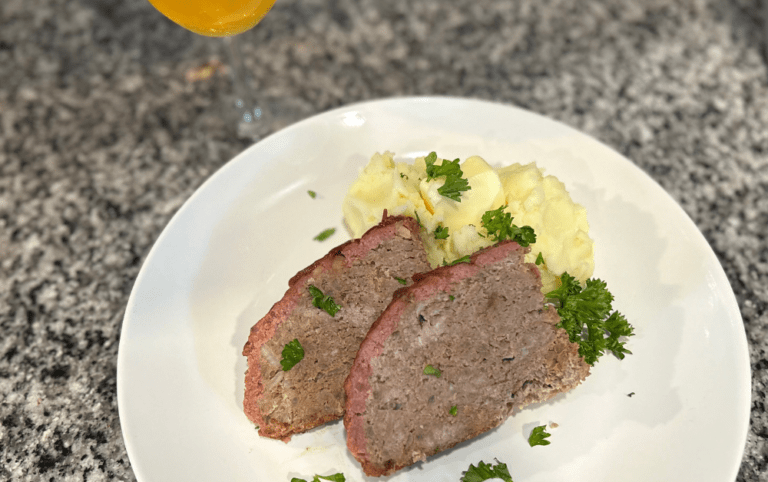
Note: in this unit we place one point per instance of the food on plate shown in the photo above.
(452, 223)
(452, 356)
(300, 353)
(418, 359)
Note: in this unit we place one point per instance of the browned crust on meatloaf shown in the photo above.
(566, 368)
(262, 332)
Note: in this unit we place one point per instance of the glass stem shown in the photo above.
(248, 112)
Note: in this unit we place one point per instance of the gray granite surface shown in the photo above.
(103, 135)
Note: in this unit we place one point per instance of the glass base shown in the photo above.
(247, 110)
(248, 116)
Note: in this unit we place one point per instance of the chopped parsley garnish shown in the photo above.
(325, 234)
(333, 478)
(451, 297)
(401, 281)
(463, 259)
(293, 353)
(499, 226)
(588, 317)
(402, 175)
(430, 370)
(485, 471)
(538, 436)
(454, 182)
(441, 232)
(323, 302)
(539, 259)
(312, 194)
(454, 410)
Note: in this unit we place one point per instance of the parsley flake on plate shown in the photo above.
(402, 281)
(454, 184)
(325, 234)
(293, 353)
(485, 471)
(430, 370)
(538, 436)
(454, 410)
(319, 300)
(312, 194)
(588, 317)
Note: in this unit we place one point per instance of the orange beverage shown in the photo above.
(214, 18)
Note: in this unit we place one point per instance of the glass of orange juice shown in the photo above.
(223, 18)
(214, 18)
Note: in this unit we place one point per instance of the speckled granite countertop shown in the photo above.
(103, 135)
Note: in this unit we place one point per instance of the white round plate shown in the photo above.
(677, 409)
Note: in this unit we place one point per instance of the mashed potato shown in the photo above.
(562, 232)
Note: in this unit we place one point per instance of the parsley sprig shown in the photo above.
(588, 317)
(455, 183)
(538, 436)
(499, 226)
(485, 471)
(319, 300)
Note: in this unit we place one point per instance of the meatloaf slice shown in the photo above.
(360, 275)
(494, 347)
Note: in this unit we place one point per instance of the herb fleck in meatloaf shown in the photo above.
(492, 348)
(360, 275)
